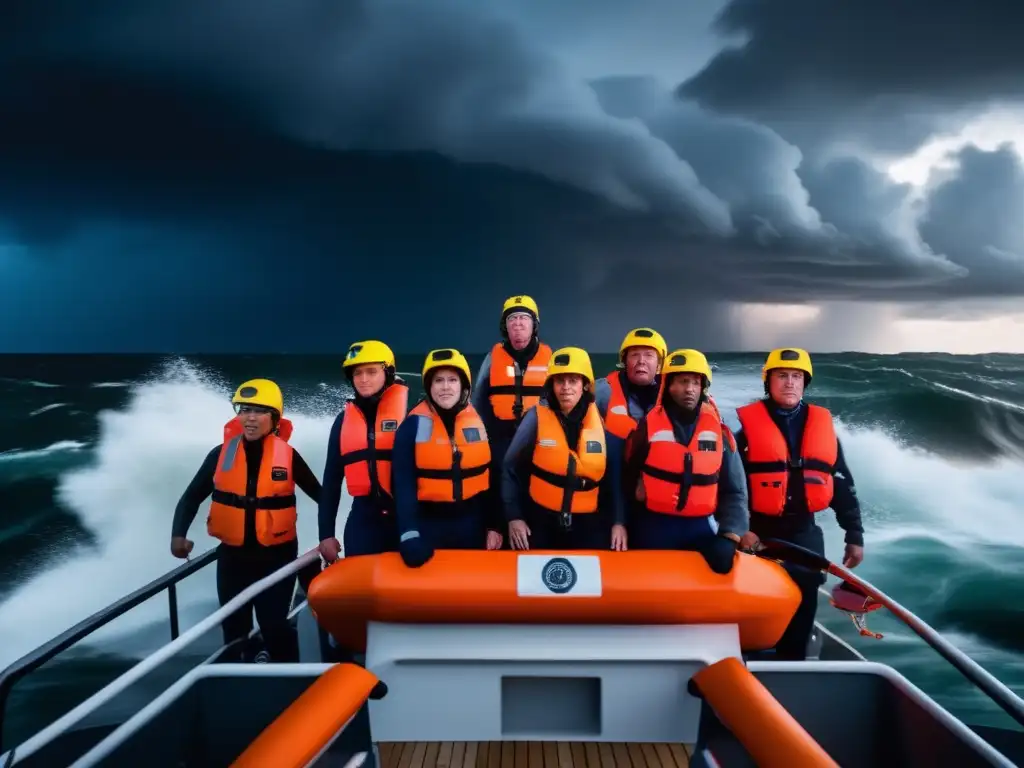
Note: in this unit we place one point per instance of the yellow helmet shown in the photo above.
(644, 337)
(364, 352)
(520, 303)
(687, 361)
(571, 360)
(259, 392)
(447, 358)
(788, 357)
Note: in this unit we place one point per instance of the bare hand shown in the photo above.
(181, 547)
(749, 542)
(619, 538)
(518, 534)
(853, 556)
(330, 550)
(494, 540)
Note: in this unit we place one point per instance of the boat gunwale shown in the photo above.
(900, 682)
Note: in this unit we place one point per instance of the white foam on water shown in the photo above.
(18, 454)
(907, 491)
(144, 458)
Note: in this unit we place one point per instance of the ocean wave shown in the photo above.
(19, 464)
(28, 383)
(47, 408)
(18, 454)
(950, 410)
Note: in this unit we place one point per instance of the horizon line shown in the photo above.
(407, 353)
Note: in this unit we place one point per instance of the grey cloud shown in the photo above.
(837, 326)
(402, 76)
(694, 198)
(886, 72)
(597, 38)
(975, 217)
(867, 207)
(961, 309)
(838, 225)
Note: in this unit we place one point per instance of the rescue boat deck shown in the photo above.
(531, 754)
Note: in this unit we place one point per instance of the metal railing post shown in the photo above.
(172, 606)
(33, 660)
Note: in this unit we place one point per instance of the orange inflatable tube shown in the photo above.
(580, 587)
(762, 725)
(307, 726)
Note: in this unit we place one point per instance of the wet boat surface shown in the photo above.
(532, 754)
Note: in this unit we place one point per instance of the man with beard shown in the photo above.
(795, 469)
(683, 470)
(511, 377)
(622, 400)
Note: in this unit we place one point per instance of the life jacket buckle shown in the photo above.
(796, 463)
(565, 518)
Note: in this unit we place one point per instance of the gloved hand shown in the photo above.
(720, 553)
(415, 552)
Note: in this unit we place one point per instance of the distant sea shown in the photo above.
(95, 450)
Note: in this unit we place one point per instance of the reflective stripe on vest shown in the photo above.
(562, 479)
(617, 420)
(273, 505)
(365, 452)
(451, 469)
(683, 479)
(768, 463)
(514, 391)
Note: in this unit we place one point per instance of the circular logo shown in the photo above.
(558, 575)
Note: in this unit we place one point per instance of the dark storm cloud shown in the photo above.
(890, 72)
(975, 217)
(171, 166)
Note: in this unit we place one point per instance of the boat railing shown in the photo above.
(306, 729)
(33, 660)
(154, 660)
(977, 675)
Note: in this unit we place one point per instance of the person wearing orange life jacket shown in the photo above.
(683, 470)
(252, 477)
(625, 395)
(511, 376)
(359, 453)
(442, 467)
(557, 464)
(795, 468)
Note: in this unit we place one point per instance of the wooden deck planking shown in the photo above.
(531, 754)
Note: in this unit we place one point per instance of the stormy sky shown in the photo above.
(245, 175)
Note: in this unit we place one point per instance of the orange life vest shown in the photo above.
(563, 479)
(366, 451)
(769, 464)
(512, 391)
(274, 501)
(617, 420)
(683, 479)
(451, 469)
